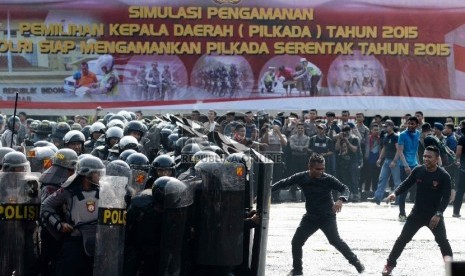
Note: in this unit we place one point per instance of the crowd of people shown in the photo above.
(366, 161)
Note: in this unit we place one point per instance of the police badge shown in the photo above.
(90, 206)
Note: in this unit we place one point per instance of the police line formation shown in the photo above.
(176, 195)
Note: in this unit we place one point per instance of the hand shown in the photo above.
(434, 222)
(457, 163)
(337, 206)
(390, 198)
(407, 170)
(452, 196)
(66, 228)
(392, 164)
(378, 163)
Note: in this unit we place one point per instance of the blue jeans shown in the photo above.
(383, 179)
(403, 196)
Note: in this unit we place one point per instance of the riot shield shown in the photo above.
(109, 245)
(262, 173)
(220, 225)
(176, 201)
(40, 158)
(137, 182)
(19, 211)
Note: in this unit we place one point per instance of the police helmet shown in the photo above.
(43, 143)
(45, 127)
(125, 154)
(3, 152)
(107, 117)
(74, 136)
(76, 126)
(135, 126)
(138, 161)
(117, 117)
(179, 145)
(113, 132)
(13, 122)
(61, 129)
(163, 161)
(90, 164)
(118, 168)
(66, 158)
(86, 131)
(34, 126)
(133, 115)
(170, 192)
(97, 127)
(125, 114)
(128, 142)
(14, 160)
(117, 123)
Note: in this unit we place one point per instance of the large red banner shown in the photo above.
(226, 54)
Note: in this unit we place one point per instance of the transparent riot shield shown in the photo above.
(137, 182)
(176, 201)
(40, 158)
(220, 221)
(19, 211)
(109, 245)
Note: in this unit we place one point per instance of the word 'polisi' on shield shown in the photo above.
(19, 211)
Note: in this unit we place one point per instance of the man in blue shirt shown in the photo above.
(407, 151)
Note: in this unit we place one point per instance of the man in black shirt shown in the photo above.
(431, 199)
(321, 210)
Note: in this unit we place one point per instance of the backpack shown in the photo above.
(447, 155)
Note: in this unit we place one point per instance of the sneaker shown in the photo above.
(295, 273)
(359, 266)
(402, 218)
(456, 215)
(374, 199)
(387, 270)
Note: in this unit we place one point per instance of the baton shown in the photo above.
(14, 120)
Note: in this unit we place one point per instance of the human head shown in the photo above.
(412, 123)
(316, 165)
(195, 115)
(419, 116)
(360, 117)
(449, 129)
(239, 132)
(74, 140)
(438, 128)
(15, 162)
(431, 156)
(84, 68)
(345, 116)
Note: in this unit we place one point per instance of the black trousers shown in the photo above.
(308, 226)
(460, 188)
(72, 260)
(411, 227)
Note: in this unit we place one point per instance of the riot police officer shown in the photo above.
(112, 137)
(162, 165)
(96, 130)
(18, 193)
(74, 140)
(156, 229)
(63, 165)
(79, 197)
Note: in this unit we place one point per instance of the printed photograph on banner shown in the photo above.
(158, 78)
(356, 75)
(221, 77)
(289, 76)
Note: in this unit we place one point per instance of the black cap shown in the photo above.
(293, 114)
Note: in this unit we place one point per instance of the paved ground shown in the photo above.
(370, 230)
